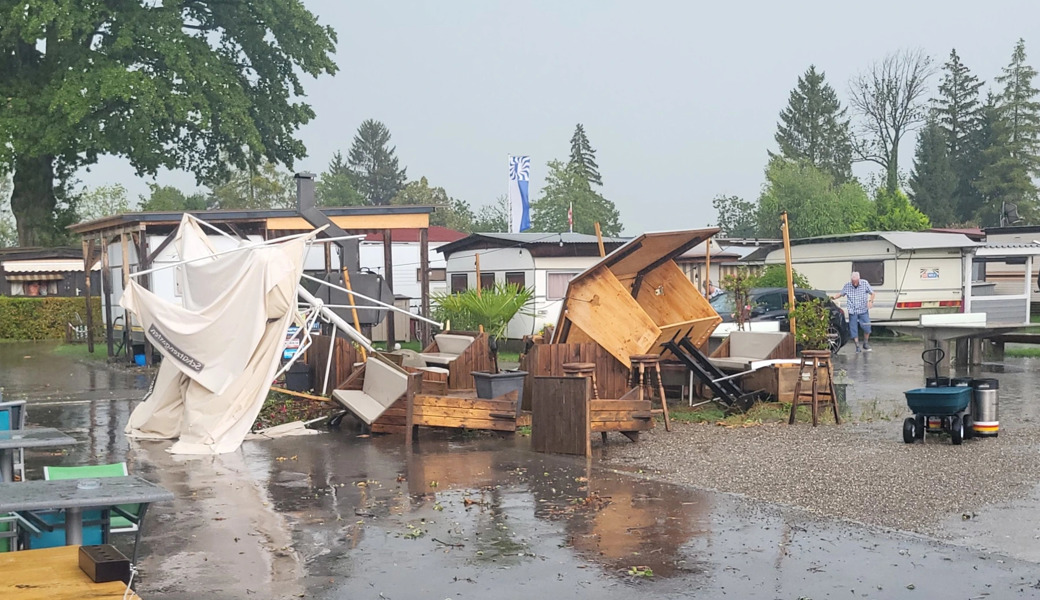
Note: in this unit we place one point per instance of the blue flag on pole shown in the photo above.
(519, 203)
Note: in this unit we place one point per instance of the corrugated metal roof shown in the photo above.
(548, 238)
(922, 240)
(1009, 250)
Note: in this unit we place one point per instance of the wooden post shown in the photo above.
(476, 256)
(106, 292)
(424, 284)
(599, 239)
(784, 228)
(707, 267)
(88, 255)
(353, 307)
(388, 267)
(143, 264)
(128, 328)
(410, 429)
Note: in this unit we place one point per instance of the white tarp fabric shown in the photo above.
(220, 349)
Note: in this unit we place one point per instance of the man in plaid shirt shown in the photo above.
(859, 299)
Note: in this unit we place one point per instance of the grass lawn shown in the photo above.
(79, 351)
(759, 414)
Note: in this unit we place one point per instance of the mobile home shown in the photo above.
(913, 273)
(545, 262)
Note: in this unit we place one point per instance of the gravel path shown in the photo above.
(862, 472)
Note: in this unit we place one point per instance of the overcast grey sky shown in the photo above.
(680, 99)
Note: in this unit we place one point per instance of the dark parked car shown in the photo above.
(769, 304)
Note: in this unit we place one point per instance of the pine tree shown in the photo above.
(583, 157)
(959, 115)
(373, 164)
(933, 182)
(1013, 155)
(813, 127)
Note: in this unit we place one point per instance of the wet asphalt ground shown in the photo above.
(337, 516)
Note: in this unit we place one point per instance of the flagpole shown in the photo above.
(509, 200)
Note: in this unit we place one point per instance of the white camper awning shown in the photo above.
(46, 265)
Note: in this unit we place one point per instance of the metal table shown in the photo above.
(37, 437)
(67, 494)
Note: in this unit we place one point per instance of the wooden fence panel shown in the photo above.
(560, 422)
(547, 360)
(343, 359)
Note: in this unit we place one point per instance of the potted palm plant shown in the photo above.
(492, 309)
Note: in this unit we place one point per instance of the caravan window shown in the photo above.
(871, 270)
(458, 282)
(487, 281)
(556, 285)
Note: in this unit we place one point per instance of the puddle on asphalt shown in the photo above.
(336, 516)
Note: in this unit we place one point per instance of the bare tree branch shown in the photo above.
(890, 100)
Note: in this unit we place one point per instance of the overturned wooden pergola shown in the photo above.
(637, 298)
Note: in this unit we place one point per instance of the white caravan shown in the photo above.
(913, 273)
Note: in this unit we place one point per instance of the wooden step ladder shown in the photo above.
(810, 390)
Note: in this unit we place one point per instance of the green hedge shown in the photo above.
(43, 318)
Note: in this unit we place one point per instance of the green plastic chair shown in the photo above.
(8, 532)
(124, 518)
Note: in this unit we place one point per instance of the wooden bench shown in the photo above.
(457, 410)
(384, 384)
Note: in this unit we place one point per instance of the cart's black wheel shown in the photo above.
(920, 427)
(969, 429)
(909, 430)
(957, 430)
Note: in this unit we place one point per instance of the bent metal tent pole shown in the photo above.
(335, 319)
(221, 253)
(377, 302)
(231, 237)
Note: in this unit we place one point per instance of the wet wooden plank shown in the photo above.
(560, 415)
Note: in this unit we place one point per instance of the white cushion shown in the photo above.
(437, 358)
(448, 343)
(384, 384)
(754, 344)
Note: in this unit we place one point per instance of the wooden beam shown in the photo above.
(414, 387)
(162, 246)
(106, 293)
(300, 394)
(355, 222)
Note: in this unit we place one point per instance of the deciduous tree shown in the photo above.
(564, 189)
(450, 212)
(814, 204)
(169, 198)
(336, 186)
(494, 217)
(814, 127)
(256, 188)
(203, 85)
(889, 98)
(373, 164)
(737, 217)
(893, 212)
(102, 201)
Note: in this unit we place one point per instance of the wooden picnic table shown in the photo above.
(54, 574)
(74, 497)
(36, 437)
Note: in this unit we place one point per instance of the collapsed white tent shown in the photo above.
(222, 348)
